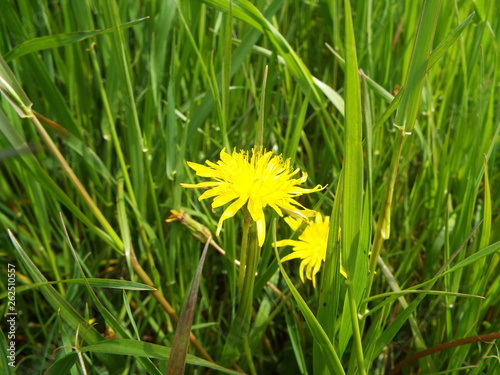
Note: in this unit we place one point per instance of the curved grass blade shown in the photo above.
(331, 358)
(35, 170)
(248, 12)
(59, 40)
(108, 317)
(439, 51)
(96, 283)
(145, 349)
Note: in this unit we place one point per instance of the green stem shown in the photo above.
(247, 222)
(240, 326)
(355, 328)
(248, 354)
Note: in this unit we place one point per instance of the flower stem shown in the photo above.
(240, 326)
(247, 223)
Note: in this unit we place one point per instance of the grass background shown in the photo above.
(128, 105)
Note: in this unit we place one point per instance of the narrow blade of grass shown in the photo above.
(330, 356)
(410, 102)
(97, 283)
(354, 258)
(58, 303)
(145, 349)
(329, 298)
(108, 317)
(58, 40)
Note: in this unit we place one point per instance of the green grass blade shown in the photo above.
(108, 317)
(410, 102)
(58, 303)
(145, 349)
(58, 40)
(246, 11)
(134, 132)
(295, 338)
(353, 257)
(35, 170)
(12, 90)
(329, 298)
(352, 197)
(330, 356)
(441, 49)
(97, 283)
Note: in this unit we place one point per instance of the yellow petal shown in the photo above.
(224, 198)
(292, 255)
(201, 184)
(212, 193)
(293, 223)
(261, 230)
(284, 243)
(276, 208)
(230, 212)
(255, 209)
(202, 170)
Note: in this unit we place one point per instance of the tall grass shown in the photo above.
(393, 105)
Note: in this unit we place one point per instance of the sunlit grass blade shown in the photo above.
(354, 258)
(12, 90)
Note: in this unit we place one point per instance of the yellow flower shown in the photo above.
(311, 246)
(260, 179)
